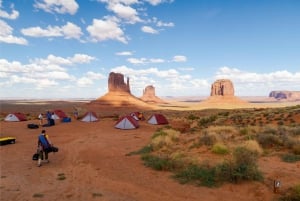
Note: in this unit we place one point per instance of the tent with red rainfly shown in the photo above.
(89, 117)
(59, 114)
(17, 116)
(157, 119)
(127, 122)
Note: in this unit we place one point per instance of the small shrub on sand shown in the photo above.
(161, 163)
(219, 148)
(290, 158)
(164, 138)
(253, 145)
(38, 195)
(296, 148)
(207, 140)
(292, 194)
(199, 175)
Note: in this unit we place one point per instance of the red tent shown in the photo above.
(17, 116)
(60, 114)
(157, 119)
(127, 122)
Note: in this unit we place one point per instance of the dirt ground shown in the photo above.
(93, 164)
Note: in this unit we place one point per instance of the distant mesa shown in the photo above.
(149, 95)
(285, 95)
(118, 94)
(222, 93)
(222, 87)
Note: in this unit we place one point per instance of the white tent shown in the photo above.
(157, 119)
(127, 122)
(89, 117)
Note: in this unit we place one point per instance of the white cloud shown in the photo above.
(179, 58)
(14, 14)
(165, 24)
(253, 83)
(156, 2)
(7, 37)
(125, 53)
(107, 29)
(57, 6)
(82, 58)
(144, 60)
(148, 29)
(125, 12)
(67, 31)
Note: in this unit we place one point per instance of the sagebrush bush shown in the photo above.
(207, 140)
(254, 146)
(219, 148)
(268, 140)
(163, 138)
(292, 194)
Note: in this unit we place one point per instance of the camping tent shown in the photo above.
(127, 122)
(89, 117)
(17, 116)
(157, 119)
(137, 116)
(59, 114)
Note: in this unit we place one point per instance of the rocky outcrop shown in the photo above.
(116, 83)
(149, 95)
(285, 95)
(118, 95)
(222, 87)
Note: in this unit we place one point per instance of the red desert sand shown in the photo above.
(93, 162)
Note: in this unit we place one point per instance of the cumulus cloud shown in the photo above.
(125, 53)
(143, 61)
(259, 82)
(89, 78)
(106, 29)
(148, 29)
(179, 58)
(156, 2)
(165, 24)
(6, 35)
(57, 6)
(43, 72)
(124, 11)
(12, 16)
(67, 31)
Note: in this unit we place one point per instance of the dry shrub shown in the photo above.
(254, 146)
(166, 139)
(220, 148)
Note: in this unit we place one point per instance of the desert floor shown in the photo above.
(93, 164)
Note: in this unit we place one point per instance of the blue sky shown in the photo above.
(67, 48)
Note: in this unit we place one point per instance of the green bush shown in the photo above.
(293, 194)
(290, 158)
(268, 140)
(159, 163)
(199, 175)
(220, 149)
(207, 139)
(242, 167)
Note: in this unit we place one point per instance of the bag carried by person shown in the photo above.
(35, 156)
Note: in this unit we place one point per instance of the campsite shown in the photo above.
(96, 161)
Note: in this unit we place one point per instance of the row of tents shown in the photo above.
(130, 121)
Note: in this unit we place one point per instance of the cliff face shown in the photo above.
(288, 95)
(116, 83)
(222, 87)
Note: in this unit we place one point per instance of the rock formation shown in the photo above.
(222, 95)
(285, 95)
(118, 95)
(149, 95)
(116, 83)
(222, 87)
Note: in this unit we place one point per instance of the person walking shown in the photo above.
(41, 118)
(44, 146)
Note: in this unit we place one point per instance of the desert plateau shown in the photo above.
(96, 161)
